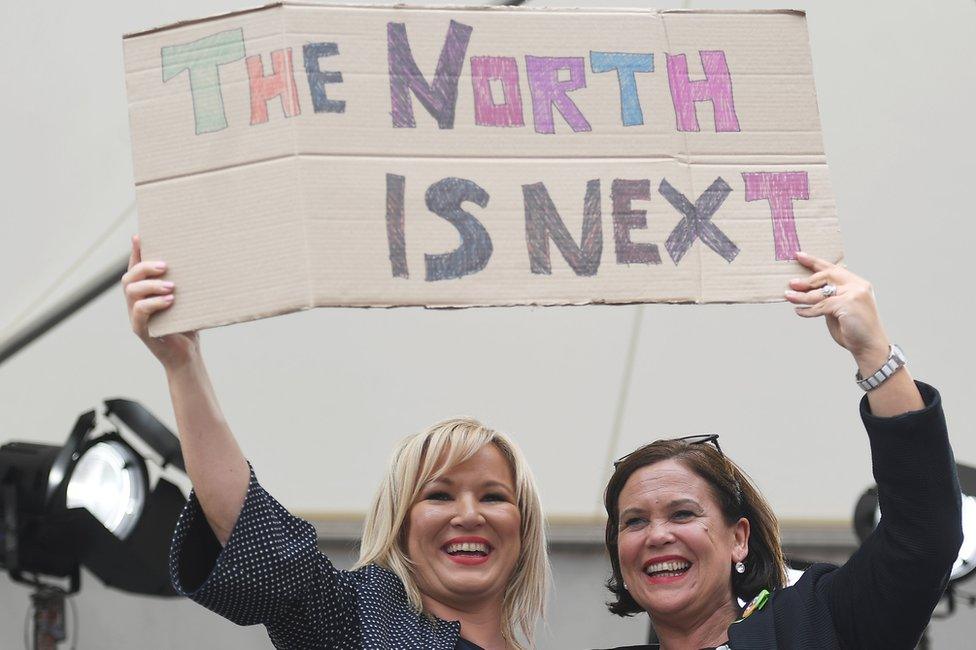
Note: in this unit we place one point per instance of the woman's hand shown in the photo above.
(146, 293)
(851, 312)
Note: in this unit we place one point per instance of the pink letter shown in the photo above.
(548, 90)
(716, 87)
(780, 188)
(486, 111)
(281, 83)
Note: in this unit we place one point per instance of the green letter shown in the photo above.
(202, 58)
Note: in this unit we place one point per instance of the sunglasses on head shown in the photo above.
(700, 439)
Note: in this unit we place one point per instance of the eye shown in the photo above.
(634, 522)
(494, 496)
(438, 496)
(683, 515)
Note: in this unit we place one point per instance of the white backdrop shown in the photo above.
(318, 398)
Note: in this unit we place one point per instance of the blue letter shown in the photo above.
(626, 66)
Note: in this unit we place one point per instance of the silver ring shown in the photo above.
(828, 290)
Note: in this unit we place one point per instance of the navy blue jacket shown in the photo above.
(272, 572)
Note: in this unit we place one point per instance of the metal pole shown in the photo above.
(64, 308)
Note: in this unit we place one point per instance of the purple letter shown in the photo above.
(394, 225)
(548, 90)
(542, 222)
(716, 87)
(439, 98)
(780, 188)
(486, 111)
(625, 219)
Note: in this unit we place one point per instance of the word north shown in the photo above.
(495, 83)
(543, 223)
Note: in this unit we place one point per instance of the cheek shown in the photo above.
(508, 526)
(422, 524)
(628, 551)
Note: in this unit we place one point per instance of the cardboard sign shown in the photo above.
(298, 156)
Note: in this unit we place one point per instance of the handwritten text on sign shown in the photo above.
(497, 102)
(394, 156)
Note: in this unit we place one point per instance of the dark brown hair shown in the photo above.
(735, 494)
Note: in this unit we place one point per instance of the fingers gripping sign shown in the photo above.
(845, 300)
(147, 293)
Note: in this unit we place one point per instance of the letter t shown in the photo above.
(202, 58)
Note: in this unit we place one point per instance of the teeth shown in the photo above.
(674, 565)
(468, 546)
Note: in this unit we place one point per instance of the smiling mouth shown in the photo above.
(468, 549)
(667, 571)
(468, 553)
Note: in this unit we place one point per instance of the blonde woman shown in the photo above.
(453, 554)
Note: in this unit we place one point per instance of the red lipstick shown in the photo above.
(464, 557)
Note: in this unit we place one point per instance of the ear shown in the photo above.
(740, 540)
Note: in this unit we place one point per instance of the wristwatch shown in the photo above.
(896, 359)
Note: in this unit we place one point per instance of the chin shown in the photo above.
(658, 605)
(475, 584)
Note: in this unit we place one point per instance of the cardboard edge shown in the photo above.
(158, 331)
(404, 7)
(194, 21)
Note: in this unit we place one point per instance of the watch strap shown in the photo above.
(896, 359)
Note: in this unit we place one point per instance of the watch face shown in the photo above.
(896, 353)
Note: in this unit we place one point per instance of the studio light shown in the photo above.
(109, 483)
(93, 502)
(867, 514)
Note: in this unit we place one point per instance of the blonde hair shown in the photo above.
(424, 457)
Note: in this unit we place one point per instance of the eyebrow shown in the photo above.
(670, 505)
(486, 485)
(684, 502)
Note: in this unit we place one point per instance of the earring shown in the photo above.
(740, 567)
(625, 587)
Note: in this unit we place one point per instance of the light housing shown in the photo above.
(90, 503)
(110, 481)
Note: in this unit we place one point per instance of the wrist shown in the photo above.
(187, 363)
(871, 358)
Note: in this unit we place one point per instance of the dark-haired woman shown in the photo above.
(689, 536)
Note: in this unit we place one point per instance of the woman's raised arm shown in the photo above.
(213, 459)
(884, 594)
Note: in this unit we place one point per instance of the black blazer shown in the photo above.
(884, 595)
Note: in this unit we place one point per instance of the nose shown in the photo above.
(468, 513)
(658, 534)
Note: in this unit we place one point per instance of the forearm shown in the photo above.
(213, 459)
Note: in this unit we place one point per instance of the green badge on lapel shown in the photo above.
(755, 604)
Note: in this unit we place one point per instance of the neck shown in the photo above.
(481, 622)
(688, 633)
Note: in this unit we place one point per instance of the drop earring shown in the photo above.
(740, 567)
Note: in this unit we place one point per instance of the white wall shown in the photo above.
(318, 398)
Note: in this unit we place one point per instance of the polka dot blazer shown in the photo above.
(272, 572)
